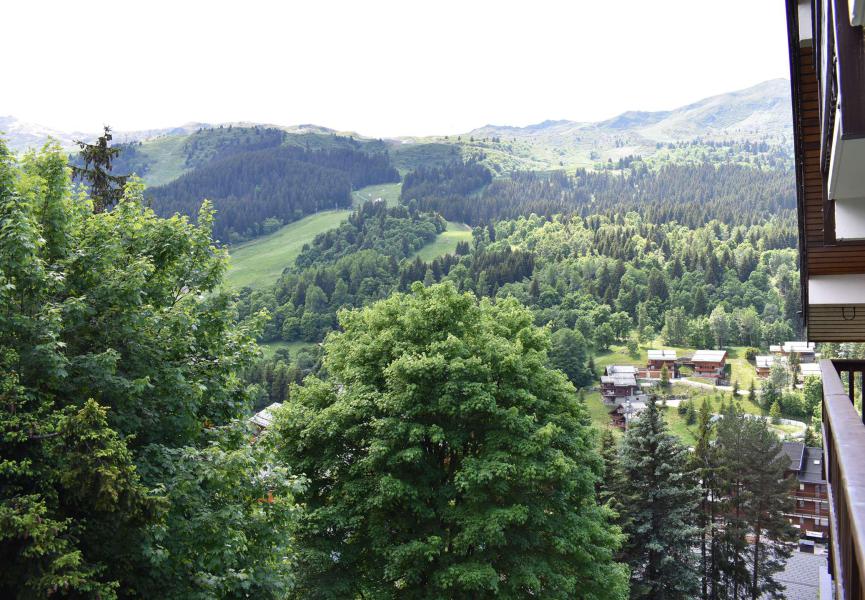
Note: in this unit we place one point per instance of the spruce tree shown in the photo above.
(610, 483)
(704, 465)
(659, 500)
(106, 189)
(756, 537)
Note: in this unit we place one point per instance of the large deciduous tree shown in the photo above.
(117, 356)
(446, 460)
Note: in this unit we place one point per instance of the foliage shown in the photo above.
(444, 459)
(115, 346)
(692, 195)
(227, 533)
(568, 354)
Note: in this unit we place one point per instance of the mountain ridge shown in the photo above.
(759, 109)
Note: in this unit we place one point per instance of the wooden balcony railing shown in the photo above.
(806, 495)
(844, 447)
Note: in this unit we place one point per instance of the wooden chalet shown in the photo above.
(709, 363)
(658, 359)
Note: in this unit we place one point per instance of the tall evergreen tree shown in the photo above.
(106, 189)
(755, 538)
(659, 500)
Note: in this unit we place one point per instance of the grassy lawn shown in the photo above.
(389, 192)
(618, 355)
(446, 242)
(601, 418)
(598, 410)
(270, 348)
(260, 262)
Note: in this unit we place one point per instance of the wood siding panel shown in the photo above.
(834, 323)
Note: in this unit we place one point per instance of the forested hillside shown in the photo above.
(256, 191)
(689, 194)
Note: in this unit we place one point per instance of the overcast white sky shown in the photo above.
(375, 67)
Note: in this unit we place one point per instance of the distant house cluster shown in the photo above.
(805, 352)
(623, 387)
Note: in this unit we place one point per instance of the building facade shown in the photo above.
(810, 512)
(709, 363)
(826, 44)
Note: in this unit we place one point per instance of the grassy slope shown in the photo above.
(260, 262)
(389, 192)
(167, 158)
(446, 242)
(270, 348)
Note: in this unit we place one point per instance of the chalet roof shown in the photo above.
(620, 369)
(795, 451)
(810, 370)
(812, 466)
(662, 355)
(264, 417)
(637, 406)
(799, 347)
(620, 379)
(764, 362)
(776, 348)
(712, 356)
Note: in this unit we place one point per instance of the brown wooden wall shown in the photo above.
(827, 323)
(809, 117)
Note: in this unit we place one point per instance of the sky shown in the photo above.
(378, 68)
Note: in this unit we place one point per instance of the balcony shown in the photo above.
(844, 447)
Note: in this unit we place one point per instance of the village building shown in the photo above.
(764, 364)
(810, 512)
(809, 370)
(619, 384)
(805, 350)
(709, 363)
(658, 359)
(622, 414)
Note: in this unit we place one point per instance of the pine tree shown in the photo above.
(704, 464)
(610, 483)
(754, 539)
(659, 502)
(106, 189)
(775, 412)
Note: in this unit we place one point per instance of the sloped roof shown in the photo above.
(617, 369)
(662, 355)
(264, 417)
(709, 356)
(764, 362)
(810, 370)
(795, 451)
(812, 466)
(799, 347)
(620, 379)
